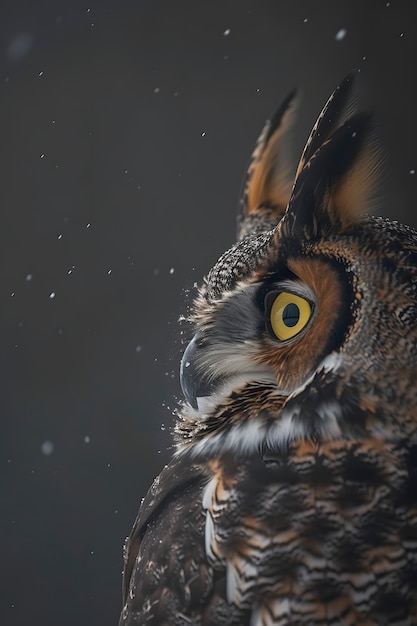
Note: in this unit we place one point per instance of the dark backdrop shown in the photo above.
(125, 127)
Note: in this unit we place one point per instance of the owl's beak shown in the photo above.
(193, 383)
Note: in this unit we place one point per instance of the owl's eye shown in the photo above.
(289, 314)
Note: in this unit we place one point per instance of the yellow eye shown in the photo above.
(289, 315)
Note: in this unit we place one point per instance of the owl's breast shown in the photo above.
(324, 535)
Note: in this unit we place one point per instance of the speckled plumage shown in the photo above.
(292, 496)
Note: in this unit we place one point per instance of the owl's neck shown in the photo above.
(258, 417)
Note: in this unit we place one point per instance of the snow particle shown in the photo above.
(42, 156)
(341, 34)
(401, 34)
(109, 272)
(412, 172)
(305, 20)
(156, 90)
(29, 277)
(40, 74)
(52, 295)
(88, 225)
(20, 46)
(138, 348)
(227, 32)
(86, 439)
(59, 236)
(47, 448)
(203, 134)
(172, 270)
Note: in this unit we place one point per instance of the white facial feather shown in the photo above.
(225, 359)
(252, 435)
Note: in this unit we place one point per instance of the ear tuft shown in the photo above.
(339, 107)
(338, 171)
(268, 182)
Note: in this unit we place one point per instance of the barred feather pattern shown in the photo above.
(324, 535)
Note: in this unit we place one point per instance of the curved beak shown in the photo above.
(193, 383)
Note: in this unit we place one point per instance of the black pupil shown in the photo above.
(291, 315)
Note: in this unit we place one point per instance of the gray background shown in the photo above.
(125, 128)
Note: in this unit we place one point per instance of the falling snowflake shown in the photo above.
(341, 34)
(47, 448)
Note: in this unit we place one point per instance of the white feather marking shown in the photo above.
(209, 537)
(233, 581)
(246, 437)
(331, 362)
(252, 435)
(208, 493)
(329, 413)
(226, 359)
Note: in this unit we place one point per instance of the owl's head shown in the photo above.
(306, 329)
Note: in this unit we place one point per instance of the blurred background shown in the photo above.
(125, 129)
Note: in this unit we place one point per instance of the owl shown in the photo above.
(291, 498)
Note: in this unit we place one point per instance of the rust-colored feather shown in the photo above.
(268, 182)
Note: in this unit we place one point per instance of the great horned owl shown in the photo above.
(291, 498)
